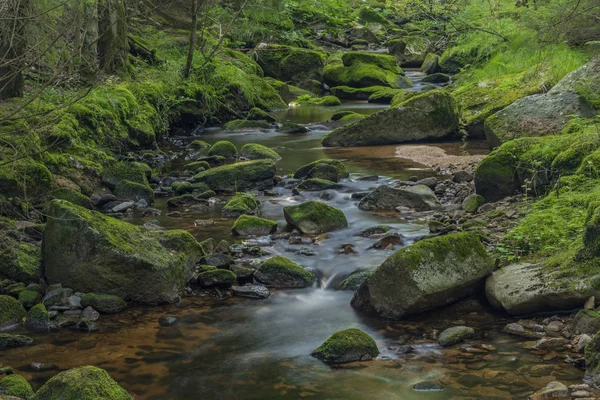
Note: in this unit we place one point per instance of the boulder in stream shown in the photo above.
(328, 169)
(454, 335)
(7, 340)
(91, 252)
(314, 217)
(431, 115)
(429, 274)
(419, 198)
(15, 386)
(106, 304)
(247, 225)
(346, 346)
(239, 177)
(281, 272)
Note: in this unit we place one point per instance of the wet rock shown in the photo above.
(281, 272)
(37, 318)
(216, 278)
(419, 198)
(347, 249)
(316, 185)
(243, 273)
(8, 340)
(470, 380)
(218, 260)
(430, 182)
(291, 128)
(519, 330)
(151, 212)
(433, 273)
(550, 344)
(247, 225)
(122, 207)
(239, 177)
(472, 203)
(390, 239)
(90, 314)
(428, 386)
(582, 341)
(251, 291)
(106, 304)
(127, 261)
(369, 178)
(314, 217)
(167, 321)
(57, 296)
(462, 176)
(454, 335)
(375, 230)
(241, 204)
(75, 302)
(553, 390)
(587, 321)
(328, 169)
(347, 346)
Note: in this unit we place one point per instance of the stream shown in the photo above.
(260, 349)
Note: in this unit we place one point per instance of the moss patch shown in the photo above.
(254, 151)
(16, 385)
(281, 272)
(347, 346)
(223, 148)
(314, 217)
(247, 225)
(11, 311)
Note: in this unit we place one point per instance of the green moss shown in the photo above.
(352, 118)
(305, 171)
(37, 317)
(11, 311)
(217, 277)
(199, 144)
(128, 190)
(242, 61)
(592, 356)
(327, 101)
(346, 346)
(356, 69)
(16, 385)
(431, 64)
(282, 272)
(294, 64)
(254, 151)
(240, 176)
(73, 196)
(7, 340)
(196, 166)
(88, 383)
(385, 96)
(402, 97)
(242, 124)
(247, 225)
(341, 114)
(241, 204)
(317, 184)
(472, 203)
(256, 114)
(106, 304)
(455, 335)
(20, 261)
(314, 217)
(181, 188)
(438, 77)
(352, 93)
(354, 280)
(29, 298)
(114, 173)
(223, 148)
(25, 179)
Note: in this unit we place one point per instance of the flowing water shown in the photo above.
(259, 349)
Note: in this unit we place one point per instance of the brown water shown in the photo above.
(259, 349)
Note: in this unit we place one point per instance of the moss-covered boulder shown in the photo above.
(472, 202)
(216, 277)
(291, 128)
(29, 298)
(128, 190)
(89, 383)
(314, 217)
(239, 177)
(198, 144)
(431, 273)
(223, 148)
(104, 303)
(341, 114)
(254, 151)
(37, 318)
(73, 196)
(316, 185)
(115, 172)
(246, 125)
(384, 96)
(8, 340)
(419, 198)
(281, 272)
(352, 93)
(15, 385)
(431, 64)
(592, 360)
(11, 311)
(26, 179)
(454, 335)
(20, 261)
(247, 225)
(438, 77)
(287, 63)
(587, 321)
(347, 346)
(329, 169)
(326, 101)
(256, 114)
(496, 175)
(358, 69)
(241, 204)
(197, 166)
(89, 252)
(188, 200)
(416, 50)
(431, 115)
(354, 280)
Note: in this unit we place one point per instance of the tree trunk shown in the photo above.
(12, 48)
(112, 35)
(190, 57)
(87, 45)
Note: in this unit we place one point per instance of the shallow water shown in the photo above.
(259, 349)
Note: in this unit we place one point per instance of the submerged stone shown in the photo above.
(8, 340)
(454, 335)
(347, 346)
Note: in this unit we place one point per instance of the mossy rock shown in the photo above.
(358, 70)
(370, 16)
(128, 190)
(256, 114)
(243, 125)
(8, 341)
(217, 277)
(11, 311)
(20, 261)
(587, 321)
(384, 96)
(455, 335)
(241, 204)
(90, 252)
(241, 176)
(223, 148)
(351, 93)
(181, 188)
(375, 230)
(433, 273)
(73, 196)
(496, 175)
(292, 128)
(592, 360)
(247, 225)
(431, 64)
(431, 115)
(26, 179)
(323, 169)
(354, 280)
(115, 172)
(187, 200)
(37, 318)
(254, 151)
(199, 144)
(89, 383)
(438, 77)
(287, 63)
(314, 217)
(104, 303)
(396, 47)
(16, 385)
(341, 114)
(197, 166)
(402, 96)
(29, 298)
(281, 272)
(346, 346)
(419, 198)
(317, 185)
(326, 101)
(472, 203)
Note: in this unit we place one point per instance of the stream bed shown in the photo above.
(260, 349)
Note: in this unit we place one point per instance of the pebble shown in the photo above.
(167, 321)
(579, 394)
(123, 206)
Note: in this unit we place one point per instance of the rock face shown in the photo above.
(429, 274)
(454, 335)
(314, 217)
(530, 288)
(419, 198)
(90, 252)
(347, 346)
(281, 272)
(239, 177)
(89, 383)
(431, 115)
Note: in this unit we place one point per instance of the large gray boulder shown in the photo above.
(429, 274)
(419, 198)
(90, 252)
(432, 115)
(530, 288)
